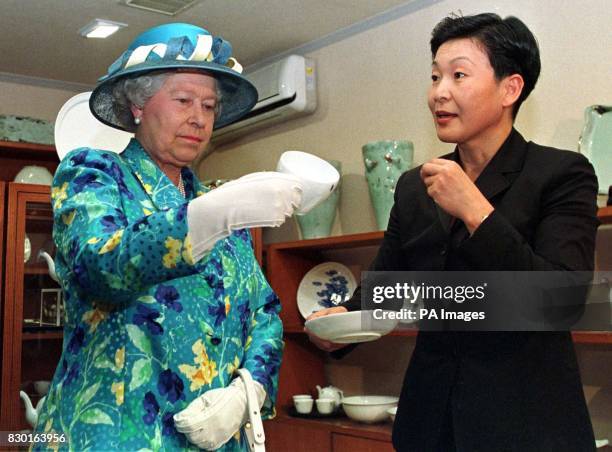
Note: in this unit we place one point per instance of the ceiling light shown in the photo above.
(100, 28)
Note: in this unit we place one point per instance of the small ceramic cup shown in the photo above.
(303, 403)
(325, 406)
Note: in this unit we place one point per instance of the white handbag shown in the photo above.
(254, 427)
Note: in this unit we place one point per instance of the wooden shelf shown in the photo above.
(605, 215)
(380, 431)
(579, 337)
(592, 337)
(334, 242)
(39, 149)
(35, 270)
(43, 335)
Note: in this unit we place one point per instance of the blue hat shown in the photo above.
(172, 47)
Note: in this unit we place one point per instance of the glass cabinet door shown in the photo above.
(33, 307)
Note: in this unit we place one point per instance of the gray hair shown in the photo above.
(137, 91)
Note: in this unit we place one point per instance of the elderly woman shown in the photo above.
(164, 298)
(501, 203)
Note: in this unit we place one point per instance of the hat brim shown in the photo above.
(239, 95)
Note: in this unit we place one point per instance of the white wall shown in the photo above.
(373, 86)
(39, 102)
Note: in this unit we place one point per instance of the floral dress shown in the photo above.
(147, 329)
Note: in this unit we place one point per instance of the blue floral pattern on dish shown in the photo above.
(324, 286)
(335, 291)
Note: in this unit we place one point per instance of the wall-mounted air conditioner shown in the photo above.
(287, 89)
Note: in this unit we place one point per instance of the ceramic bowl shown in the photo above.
(42, 387)
(392, 412)
(33, 174)
(368, 408)
(350, 327)
(318, 177)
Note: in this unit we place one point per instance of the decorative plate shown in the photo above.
(77, 127)
(27, 249)
(596, 143)
(324, 286)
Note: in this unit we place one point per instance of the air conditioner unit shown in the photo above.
(287, 89)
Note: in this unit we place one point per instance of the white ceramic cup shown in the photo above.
(325, 406)
(302, 396)
(303, 406)
(318, 177)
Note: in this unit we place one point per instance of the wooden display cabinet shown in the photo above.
(29, 352)
(303, 363)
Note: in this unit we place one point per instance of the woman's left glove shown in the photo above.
(215, 416)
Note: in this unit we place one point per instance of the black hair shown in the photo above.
(509, 44)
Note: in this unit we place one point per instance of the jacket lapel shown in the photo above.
(497, 176)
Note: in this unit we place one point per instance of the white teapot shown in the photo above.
(331, 392)
(31, 413)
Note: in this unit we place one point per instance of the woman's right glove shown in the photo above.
(263, 199)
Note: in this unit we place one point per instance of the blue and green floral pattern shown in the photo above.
(147, 329)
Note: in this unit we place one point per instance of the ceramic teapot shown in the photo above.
(42, 254)
(31, 413)
(331, 392)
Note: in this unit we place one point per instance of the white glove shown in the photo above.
(262, 199)
(214, 417)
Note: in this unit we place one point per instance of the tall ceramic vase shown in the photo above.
(318, 222)
(384, 162)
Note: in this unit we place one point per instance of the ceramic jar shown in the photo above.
(384, 162)
(319, 220)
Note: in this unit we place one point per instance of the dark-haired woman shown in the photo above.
(499, 203)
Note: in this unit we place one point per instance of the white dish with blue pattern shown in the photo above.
(325, 286)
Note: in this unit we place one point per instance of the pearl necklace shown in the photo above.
(181, 186)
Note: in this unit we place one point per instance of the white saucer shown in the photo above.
(365, 336)
(350, 327)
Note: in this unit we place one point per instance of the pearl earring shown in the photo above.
(137, 120)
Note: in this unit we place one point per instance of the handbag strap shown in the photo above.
(254, 428)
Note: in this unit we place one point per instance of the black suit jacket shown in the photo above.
(499, 390)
